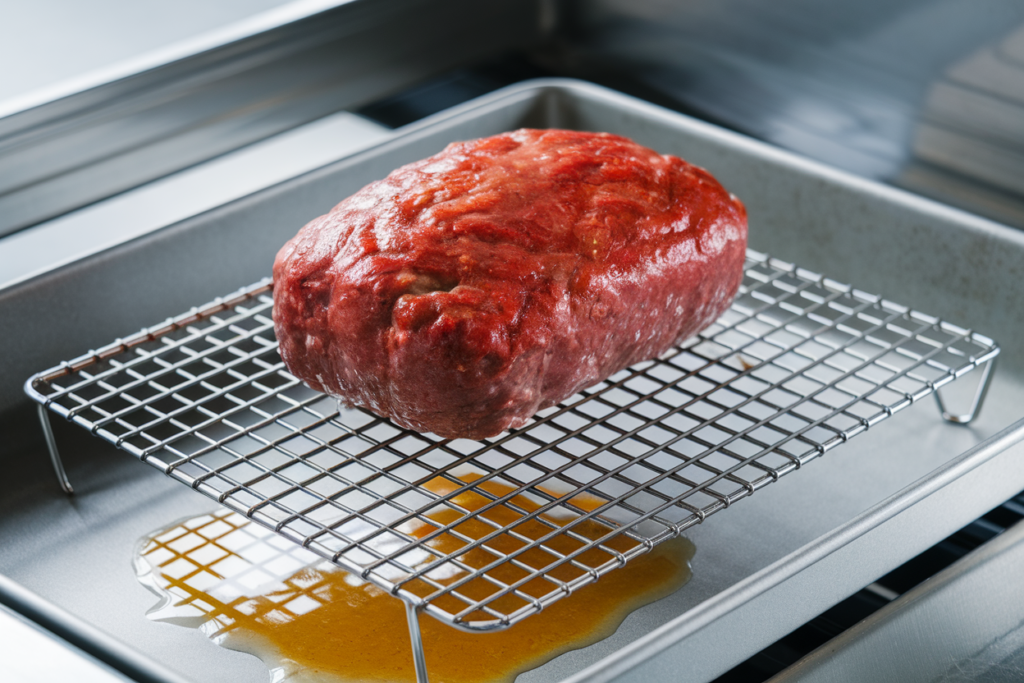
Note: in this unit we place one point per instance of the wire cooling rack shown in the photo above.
(481, 534)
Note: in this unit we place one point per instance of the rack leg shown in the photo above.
(419, 660)
(979, 398)
(51, 443)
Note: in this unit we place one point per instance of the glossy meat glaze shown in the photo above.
(467, 291)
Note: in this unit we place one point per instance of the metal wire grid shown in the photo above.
(481, 534)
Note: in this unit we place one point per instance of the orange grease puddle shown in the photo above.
(250, 590)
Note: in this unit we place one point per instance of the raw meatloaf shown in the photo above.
(467, 291)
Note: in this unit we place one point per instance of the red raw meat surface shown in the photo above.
(467, 291)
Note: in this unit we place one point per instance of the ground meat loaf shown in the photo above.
(467, 291)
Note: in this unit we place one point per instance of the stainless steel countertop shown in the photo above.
(33, 655)
(964, 624)
(62, 46)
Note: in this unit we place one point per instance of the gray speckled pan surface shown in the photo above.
(761, 568)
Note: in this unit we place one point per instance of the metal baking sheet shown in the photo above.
(761, 568)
